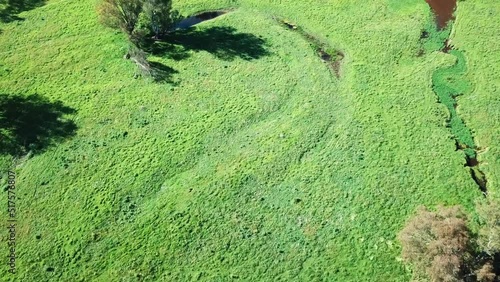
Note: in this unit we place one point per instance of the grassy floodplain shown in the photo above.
(254, 163)
(480, 108)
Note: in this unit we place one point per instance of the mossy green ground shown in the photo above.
(245, 169)
(449, 83)
(473, 34)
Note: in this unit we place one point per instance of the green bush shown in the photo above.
(156, 16)
(120, 14)
(138, 18)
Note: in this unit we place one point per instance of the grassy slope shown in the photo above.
(476, 34)
(262, 170)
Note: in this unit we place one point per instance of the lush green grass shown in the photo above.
(449, 83)
(257, 167)
(474, 35)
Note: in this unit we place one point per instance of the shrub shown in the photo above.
(157, 16)
(138, 18)
(437, 244)
(486, 273)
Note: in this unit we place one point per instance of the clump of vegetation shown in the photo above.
(448, 83)
(489, 234)
(437, 243)
(157, 17)
(138, 18)
(486, 273)
(120, 14)
(439, 246)
(433, 38)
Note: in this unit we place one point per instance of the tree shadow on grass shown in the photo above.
(32, 123)
(162, 73)
(155, 70)
(11, 8)
(223, 42)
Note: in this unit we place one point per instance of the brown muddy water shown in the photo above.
(443, 10)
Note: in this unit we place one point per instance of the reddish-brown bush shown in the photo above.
(437, 243)
(486, 273)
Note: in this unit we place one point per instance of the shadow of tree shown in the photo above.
(496, 264)
(162, 73)
(223, 42)
(11, 8)
(155, 70)
(32, 123)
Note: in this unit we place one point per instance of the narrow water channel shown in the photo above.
(449, 83)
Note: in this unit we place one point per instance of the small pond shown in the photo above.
(196, 19)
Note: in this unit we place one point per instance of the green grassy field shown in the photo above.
(254, 163)
(480, 108)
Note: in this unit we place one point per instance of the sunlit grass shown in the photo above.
(261, 169)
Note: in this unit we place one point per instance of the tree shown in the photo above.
(157, 16)
(138, 18)
(120, 14)
(437, 244)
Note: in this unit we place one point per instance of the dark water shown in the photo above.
(447, 47)
(480, 180)
(477, 175)
(443, 10)
(472, 162)
(324, 55)
(196, 19)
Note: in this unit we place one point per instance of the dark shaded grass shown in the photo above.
(224, 42)
(162, 73)
(14, 7)
(32, 123)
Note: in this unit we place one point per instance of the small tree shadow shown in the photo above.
(155, 70)
(166, 49)
(223, 42)
(32, 123)
(496, 264)
(162, 73)
(12, 8)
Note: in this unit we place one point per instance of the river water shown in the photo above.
(443, 10)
